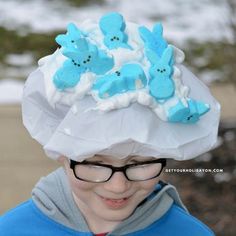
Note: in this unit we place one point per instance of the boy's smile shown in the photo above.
(115, 203)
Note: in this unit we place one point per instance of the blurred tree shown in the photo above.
(79, 3)
(231, 5)
(217, 57)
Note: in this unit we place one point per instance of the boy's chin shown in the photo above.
(115, 215)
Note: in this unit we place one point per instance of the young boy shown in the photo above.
(112, 105)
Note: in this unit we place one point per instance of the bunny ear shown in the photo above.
(70, 53)
(147, 37)
(71, 27)
(158, 35)
(202, 107)
(145, 34)
(74, 31)
(61, 40)
(152, 56)
(167, 55)
(112, 21)
(158, 30)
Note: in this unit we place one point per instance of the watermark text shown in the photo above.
(193, 170)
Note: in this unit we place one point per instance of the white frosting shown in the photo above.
(50, 64)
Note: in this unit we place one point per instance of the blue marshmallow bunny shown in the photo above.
(189, 114)
(68, 40)
(129, 78)
(112, 25)
(154, 40)
(83, 57)
(68, 75)
(161, 84)
(89, 57)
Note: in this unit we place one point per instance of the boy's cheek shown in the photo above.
(77, 184)
(149, 185)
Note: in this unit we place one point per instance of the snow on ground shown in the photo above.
(10, 91)
(182, 19)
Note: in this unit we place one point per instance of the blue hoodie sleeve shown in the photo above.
(27, 220)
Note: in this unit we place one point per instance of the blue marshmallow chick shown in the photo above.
(113, 26)
(161, 84)
(129, 78)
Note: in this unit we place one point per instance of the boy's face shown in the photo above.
(114, 200)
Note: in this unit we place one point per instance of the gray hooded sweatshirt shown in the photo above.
(53, 196)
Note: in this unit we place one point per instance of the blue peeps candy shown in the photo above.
(68, 40)
(130, 77)
(153, 41)
(112, 25)
(190, 114)
(68, 75)
(178, 112)
(83, 57)
(89, 57)
(196, 109)
(161, 84)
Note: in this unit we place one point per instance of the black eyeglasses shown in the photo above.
(99, 173)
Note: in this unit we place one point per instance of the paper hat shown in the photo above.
(118, 89)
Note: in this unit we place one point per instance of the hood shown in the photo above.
(53, 196)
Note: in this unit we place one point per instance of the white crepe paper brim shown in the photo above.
(79, 132)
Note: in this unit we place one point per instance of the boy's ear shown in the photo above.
(62, 160)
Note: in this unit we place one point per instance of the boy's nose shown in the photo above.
(118, 183)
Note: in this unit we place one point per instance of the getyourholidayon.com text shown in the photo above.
(193, 170)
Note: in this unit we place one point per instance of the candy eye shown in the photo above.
(164, 69)
(72, 41)
(74, 62)
(190, 117)
(158, 70)
(117, 73)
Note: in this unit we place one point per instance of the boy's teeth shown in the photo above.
(116, 200)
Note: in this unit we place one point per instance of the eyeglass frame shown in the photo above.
(115, 169)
